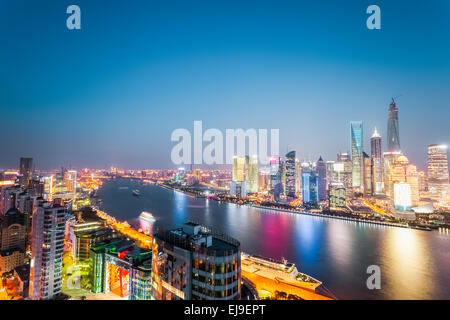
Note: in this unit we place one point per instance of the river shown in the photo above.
(414, 264)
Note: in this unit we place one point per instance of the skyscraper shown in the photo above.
(26, 170)
(367, 174)
(322, 179)
(437, 162)
(276, 188)
(310, 195)
(356, 145)
(238, 169)
(252, 176)
(438, 179)
(392, 129)
(290, 174)
(48, 225)
(376, 163)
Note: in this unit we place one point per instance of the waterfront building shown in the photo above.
(321, 170)
(367, 162)
(438, 177)
(238, 188)
(403, 172)
(196, 263)
(290, 175)
(263, 180)
(252, 176)
(298, 178)
(388, 160)
(356, 147)
(25, 171)
(376, 163)
(310, 181)
(393, 135)
(336, 198)
(48, 224)
(238, 169)
(347, 173)
(120, 267)
(276, 188)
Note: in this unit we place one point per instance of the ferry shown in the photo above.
(136, 193)
(146, 216)
(278, 271)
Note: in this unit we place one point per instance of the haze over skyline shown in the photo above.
(111, 93)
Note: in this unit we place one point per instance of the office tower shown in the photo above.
(356, 145)
(393, 138)
(310, 194)
(298, 178)
(70, 180)
(264, 179)
(347, 173)
(403, 172)
(197, 175)
(322, 179)
(26, 171)
(238, 169)
(367, 174)
(252, 174)
(388, 160)
(290, 174)
(438, 178)
(437, 162)
(330, 172)
(195, 263)
(48, 225)
(336, 198)
(276, 187)
(376, 163)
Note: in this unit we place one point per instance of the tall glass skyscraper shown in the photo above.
(322, 179)
(392, 129)
(276, 188)
(356, 145)
(252, 176)
(376, 163)
(290, 174)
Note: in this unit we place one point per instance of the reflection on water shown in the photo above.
(414, 264)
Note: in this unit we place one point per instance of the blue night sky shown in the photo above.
(113, 92)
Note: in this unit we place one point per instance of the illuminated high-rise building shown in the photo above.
(438, 178)
(298, 178)
(437, 162)
(252, 174)
(238, 169)
(367, 169)
(346, 173)
(276, 187)
(26, 171)
(321, 169)
(388, 160)
(356, 144)
(393, 135)
(336, 198)
(403, 172)
(290, 174)
(70, 180)
(48, 226)
(376, 163)
(310, 181)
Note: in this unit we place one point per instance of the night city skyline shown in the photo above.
(111, 93)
